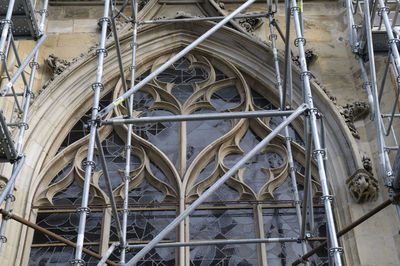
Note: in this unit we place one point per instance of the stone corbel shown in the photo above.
(363, 186)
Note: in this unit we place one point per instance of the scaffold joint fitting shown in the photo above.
(101, 51)
(299, 40)
(3, 239)
(327, 197)
(332, 251)
(77, 261)
(10, 196)
(83, 209)
(319, 151)
(383, 9)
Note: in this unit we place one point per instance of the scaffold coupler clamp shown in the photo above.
(77, 262)
(332, 251)
(8, 215)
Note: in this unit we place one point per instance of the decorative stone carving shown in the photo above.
(56, 64)
(141, 4)
(3, 183)
(363, 186)
(353, 112)
(310, 58)
(367, 163)
(250, 24)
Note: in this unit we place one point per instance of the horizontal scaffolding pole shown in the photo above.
(159, 21)
(257, 149)
(195, 117)
(9, 215)
(350, 227)
(225, 242)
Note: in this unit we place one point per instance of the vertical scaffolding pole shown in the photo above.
(129, 135)
(319, 153)
(6, 27)
(90, 165)
(23, 125)
(292, 171)
(215, 186)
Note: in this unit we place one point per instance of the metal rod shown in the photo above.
(292, 171)
(109, 188)
(307, 176)
(287, 76)
(396, 100)
(260, 146)
(389, 31)
(374, 88)
(16, 102)
(384, 76)
(218, 242)
(11, 181)
(9, 215)
(118, 49)
(350, 227)
(319, 153)
(276, 63)
(22, 125)
(93, 127)
(158, 21)
(17, 58)
(130, 131)
(195, 117)
(296, 197)
(110, 250)
(6, 26)
(172, 60)
(23, 65)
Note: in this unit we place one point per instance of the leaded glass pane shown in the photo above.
(59, 256)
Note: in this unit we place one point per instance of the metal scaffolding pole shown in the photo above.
(90, 165)
(6, 22)
(23, 125)
(319, 154)
(260, 146)
(109, 188)
(173, 59)
(129, 135)
(12, 216)
(282, 93)
(196, 117)
(10, 83)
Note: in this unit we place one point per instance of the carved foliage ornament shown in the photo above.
(363, 186)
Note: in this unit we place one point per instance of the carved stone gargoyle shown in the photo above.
(363, 186)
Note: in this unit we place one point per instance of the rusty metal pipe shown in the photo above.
(53, 235)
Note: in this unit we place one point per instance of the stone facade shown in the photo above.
(68, 52)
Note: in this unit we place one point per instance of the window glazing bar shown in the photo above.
(258, 148)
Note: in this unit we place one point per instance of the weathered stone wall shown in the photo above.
(72, 31)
